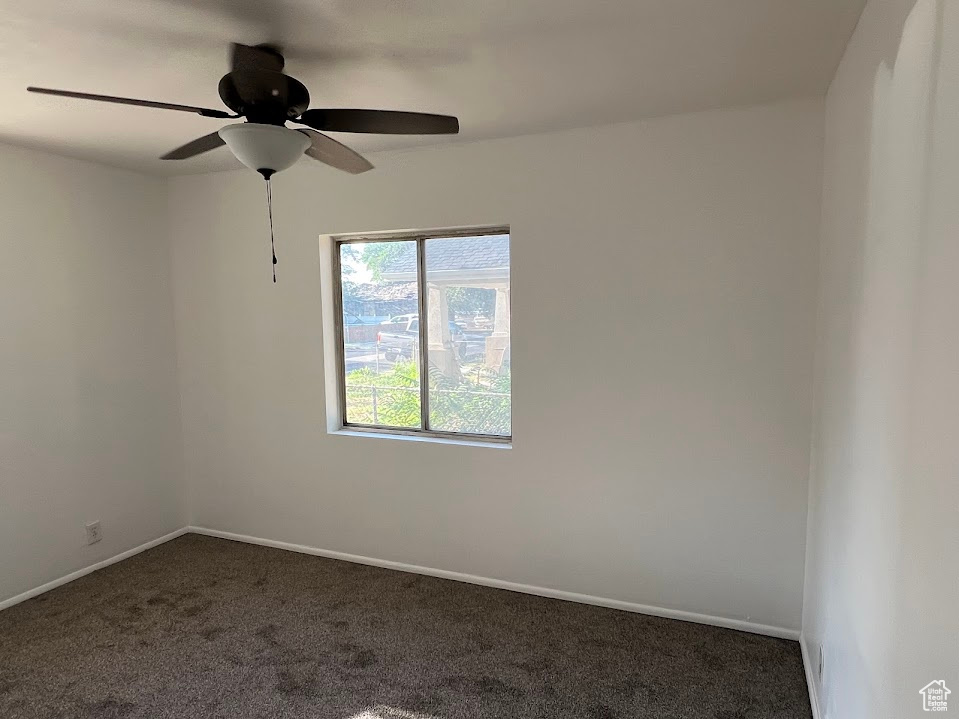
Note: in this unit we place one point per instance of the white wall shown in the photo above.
(89, 425)
(881, 585)
(664, 280)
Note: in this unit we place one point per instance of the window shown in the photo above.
(423, 328)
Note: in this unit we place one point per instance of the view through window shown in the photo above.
(425, 330)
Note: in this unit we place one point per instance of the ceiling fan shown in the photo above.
(257, 89)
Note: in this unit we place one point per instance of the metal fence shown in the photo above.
(375, 395)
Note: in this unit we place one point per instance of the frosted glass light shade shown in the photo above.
(265, 148)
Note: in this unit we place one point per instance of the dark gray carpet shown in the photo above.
(202, 627)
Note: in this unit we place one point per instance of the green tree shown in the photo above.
(377, 254)
(469, 301)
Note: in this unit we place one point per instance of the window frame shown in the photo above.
(419, 237)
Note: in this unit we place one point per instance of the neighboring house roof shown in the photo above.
(462, 256)
(384, 292)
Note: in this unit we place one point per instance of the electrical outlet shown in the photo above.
(93, 532)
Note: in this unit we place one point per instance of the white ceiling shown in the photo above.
(505, 67)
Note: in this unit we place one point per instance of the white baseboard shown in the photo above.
(725, 622)
(810, 678)
(30, 593)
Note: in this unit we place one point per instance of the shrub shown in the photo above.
(477, 403)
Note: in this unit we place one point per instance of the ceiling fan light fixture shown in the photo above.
(256, 89)
(268, 149)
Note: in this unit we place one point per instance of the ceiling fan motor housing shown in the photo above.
(268, 149)
(257, 89)
(264, 96)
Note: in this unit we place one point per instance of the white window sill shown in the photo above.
(464, 442)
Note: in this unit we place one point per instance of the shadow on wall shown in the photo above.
(873, 234)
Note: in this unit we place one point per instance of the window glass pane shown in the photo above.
(468, 334)
(381, 342)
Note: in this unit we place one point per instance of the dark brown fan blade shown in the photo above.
(130, 101)
(256, 57)
(386, 122)
(335, 154)
(197, 147)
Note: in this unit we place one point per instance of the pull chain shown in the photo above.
(269, 205)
